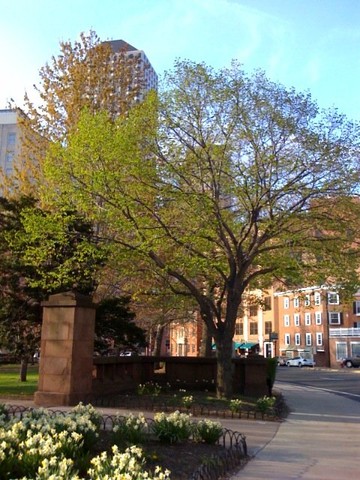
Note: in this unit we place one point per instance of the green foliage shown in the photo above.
(149, 388)
(207, 431)
(235, 405)
(219, 185)
(115, 326)
(173, 428)
(188, 401)
(265, 403)
(129, 429)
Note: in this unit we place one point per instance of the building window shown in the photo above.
(297, 319)
(355, 349)
(11, 139)
(341, 350)
(318, 319)
(287, 339)
(319, 339)
(268, 328)
(253, 310)
(334, 318)
(286, 320)
(308, 318)
(333, 298)
(317, 298)
(308, 339)
(297, 339)
(286, 302)
(356, 307)
(307, 300)
(239, 328)
(267, 303)
(296, 302)
(253, 328)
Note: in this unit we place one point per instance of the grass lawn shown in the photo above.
(10, 385)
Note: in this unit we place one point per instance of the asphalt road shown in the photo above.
(343, 382)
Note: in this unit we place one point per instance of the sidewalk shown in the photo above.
(310, 446)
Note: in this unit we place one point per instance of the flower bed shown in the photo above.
(42, 444)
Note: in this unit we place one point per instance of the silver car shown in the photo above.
(300, 362)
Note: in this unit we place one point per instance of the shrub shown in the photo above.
(207, 431)
(148, 388)
(127, 465)
(130, 429)
(235, 405)
(172, 428)
(265, 403)
(187, 401)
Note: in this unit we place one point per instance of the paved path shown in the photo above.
(320, 440)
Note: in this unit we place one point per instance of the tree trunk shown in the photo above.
(206, 342)
(225, 367)
(158, 340)
(23, 369)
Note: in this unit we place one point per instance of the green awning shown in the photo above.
(247, 345)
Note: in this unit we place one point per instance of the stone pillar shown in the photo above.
(67, 347)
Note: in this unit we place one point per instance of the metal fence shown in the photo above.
(233, 456)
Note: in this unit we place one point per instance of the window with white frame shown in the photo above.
(296, 302)
(297, 319)
(318, 318)
(341, 350)
(287, 339)
(307, 318)
(307, 300)
(319, 339)
(354, 349)
(317, 298)
(286, 302)
(333, 298)
(357, 307)
(308, 339)
(297, 339)
(286, 320)
(334, 318)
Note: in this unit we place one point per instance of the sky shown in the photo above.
(311, 45)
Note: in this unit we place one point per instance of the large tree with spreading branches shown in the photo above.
(225, 182)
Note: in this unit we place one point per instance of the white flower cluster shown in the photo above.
(207, 431)
(123, 466)
(46, 446)
(172, 428)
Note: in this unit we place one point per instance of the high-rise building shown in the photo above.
(9, 139)
(9, 130)
(149, 75)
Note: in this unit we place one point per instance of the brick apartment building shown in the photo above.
(310, 322)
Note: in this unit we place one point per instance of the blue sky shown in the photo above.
(311, 45)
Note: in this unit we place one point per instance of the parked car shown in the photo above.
(300, 362)
(351, 362)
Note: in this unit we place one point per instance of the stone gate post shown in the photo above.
(67, 346)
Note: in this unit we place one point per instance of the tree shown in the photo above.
(20, 311)
(40, 254)
(85, 74)
(115, 327)
(223, 184)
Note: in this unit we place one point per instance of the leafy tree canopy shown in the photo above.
(226, 182)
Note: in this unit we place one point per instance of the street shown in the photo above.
(345, 382)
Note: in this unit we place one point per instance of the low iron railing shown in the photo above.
(233, 456)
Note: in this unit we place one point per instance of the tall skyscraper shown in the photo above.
(9, 140)
(141, 60)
